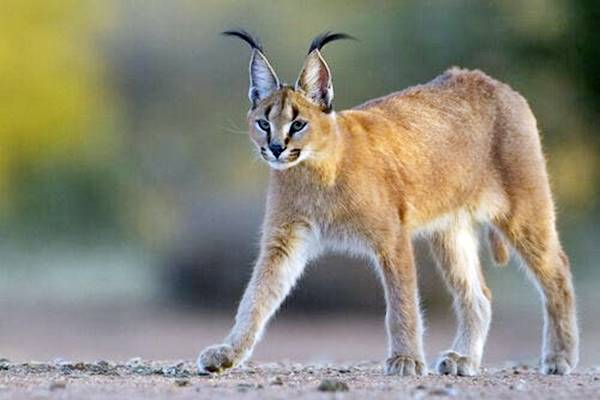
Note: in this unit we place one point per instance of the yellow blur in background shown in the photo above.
(54, 97)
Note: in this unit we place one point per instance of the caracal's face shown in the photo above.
(287, 128)
(288, 124)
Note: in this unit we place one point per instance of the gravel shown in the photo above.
(145, 379)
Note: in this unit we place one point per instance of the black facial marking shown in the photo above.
(268, 111)
(294, 112)
(294, 154)
(283, 97)
(263, 152)
(297, 126)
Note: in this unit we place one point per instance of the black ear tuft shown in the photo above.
(327, 37)
(246, 37)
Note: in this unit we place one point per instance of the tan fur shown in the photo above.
(435, 159)
(500, 250)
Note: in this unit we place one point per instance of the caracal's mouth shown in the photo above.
(291, 158)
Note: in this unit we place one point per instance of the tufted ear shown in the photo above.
(315, 80)
(263, 80)
(315, 77)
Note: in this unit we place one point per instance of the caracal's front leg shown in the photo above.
(403, 318)
(284, 252)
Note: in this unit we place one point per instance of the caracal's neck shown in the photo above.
(323, 166)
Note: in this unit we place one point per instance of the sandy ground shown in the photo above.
(297, 354)
(139, 379)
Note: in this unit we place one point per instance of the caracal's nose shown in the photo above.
(276, 149)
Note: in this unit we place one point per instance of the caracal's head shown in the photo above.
(290, 124)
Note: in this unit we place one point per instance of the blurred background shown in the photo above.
(131, 197)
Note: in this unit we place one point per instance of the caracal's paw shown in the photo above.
(405, 366)
(557, 364)
(216, 358)
(453, 363)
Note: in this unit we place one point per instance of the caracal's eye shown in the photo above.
(263, 125)
(297, 126)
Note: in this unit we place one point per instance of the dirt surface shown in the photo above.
(298, 355)
(139, 379)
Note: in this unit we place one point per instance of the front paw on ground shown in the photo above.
(453, 363)
(556, 364)
(405, 366)
(216, 358)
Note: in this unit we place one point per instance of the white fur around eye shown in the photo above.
(258, 128)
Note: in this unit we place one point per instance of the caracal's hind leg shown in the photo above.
(456, 254)
(532, 231)
(529, 223)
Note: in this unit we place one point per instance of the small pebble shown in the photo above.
(243, 387)
(182, 382)
(100, 367)
(518, 387)
(330, 385)
(277, 381)
(134, 362)
(56, 385)
(173, 370)
(60, 361)
(447, 391)
(79, 366)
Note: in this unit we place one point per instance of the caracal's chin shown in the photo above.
(281, 165)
